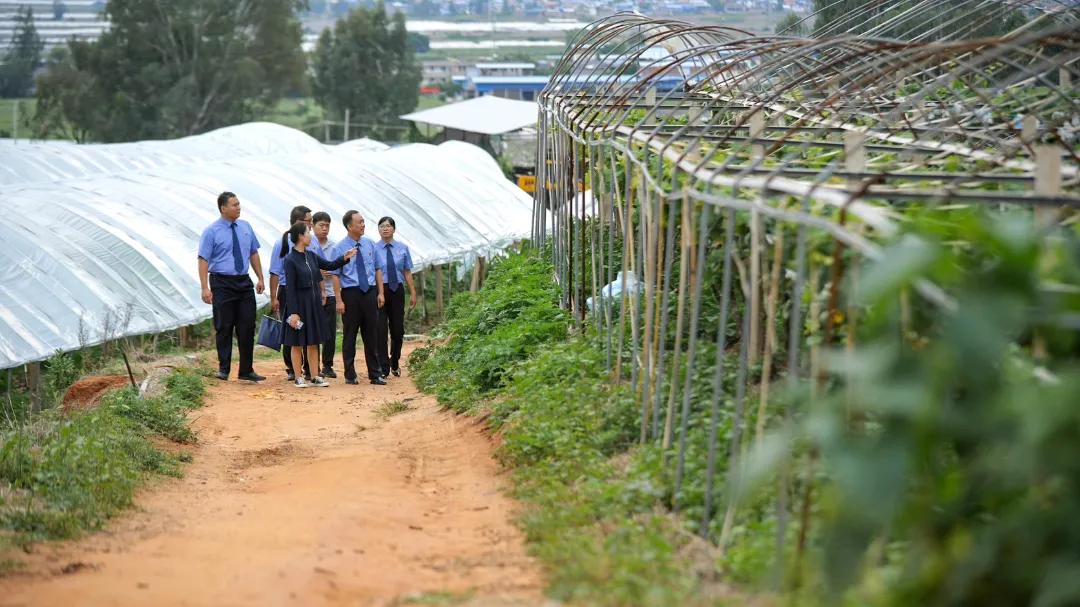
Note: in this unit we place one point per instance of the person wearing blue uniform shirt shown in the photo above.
(331, 292)
(397, 263)
(278, 282)
(228, 248)
(361, 297)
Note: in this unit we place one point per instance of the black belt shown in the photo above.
(217, 275)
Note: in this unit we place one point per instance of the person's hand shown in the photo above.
(324, 298)
(275, 305)
(340, 307)
(382, 299)
(294, 320)
(207, 296)
(349, 254)
(259, 287)
(412, 300)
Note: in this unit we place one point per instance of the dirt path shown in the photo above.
(305, 497)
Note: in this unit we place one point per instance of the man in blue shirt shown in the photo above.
(277, 287)
(361, 297)
(227, 249)
(323, 246)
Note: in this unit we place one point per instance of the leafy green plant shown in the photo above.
(66, 474)
(513, 315)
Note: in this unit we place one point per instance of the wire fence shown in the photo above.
(709, 198)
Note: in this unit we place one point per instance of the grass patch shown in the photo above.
(9, 566)
(387, 410)
(64, 474)
(440, 597)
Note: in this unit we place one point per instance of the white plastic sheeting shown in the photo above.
(94, 233)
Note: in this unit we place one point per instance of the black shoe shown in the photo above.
(222, 375)
(351, 382)
(378, 381)
(307, 378)
(290, 376)
(329, 373)
(396, 372)
(253, 376)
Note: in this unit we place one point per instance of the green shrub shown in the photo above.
(513, 315)
(67, 474)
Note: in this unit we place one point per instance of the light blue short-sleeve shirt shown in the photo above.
(216, 246)
(349, 272)
(325, 251)
(402, 259)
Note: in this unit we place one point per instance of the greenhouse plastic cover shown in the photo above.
(94, 233)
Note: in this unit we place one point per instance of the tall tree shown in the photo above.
(166, 69)
(366, 65)
(22, 57)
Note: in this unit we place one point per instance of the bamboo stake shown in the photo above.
(650, 297)
(770, 331)
(686, 246)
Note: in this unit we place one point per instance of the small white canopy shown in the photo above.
(487, 115)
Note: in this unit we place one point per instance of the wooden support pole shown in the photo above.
(854, 151)
(1047, 182)
(757, 129)
(439, 290)
(421, 278)
(1029, 128)
(33, 385)
(478, 267)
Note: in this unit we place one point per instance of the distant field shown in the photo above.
(297, 113)
(26, 114)
(429, 101)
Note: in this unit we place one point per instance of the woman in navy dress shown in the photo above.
(305, 321)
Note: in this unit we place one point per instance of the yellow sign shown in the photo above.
(527, 182)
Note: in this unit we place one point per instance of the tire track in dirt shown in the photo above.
(304, 497)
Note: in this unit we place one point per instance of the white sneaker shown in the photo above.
(319, 382)
(300, 383)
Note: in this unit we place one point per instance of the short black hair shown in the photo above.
(320, 216)
(347, 218)
(223, 199)
(389, 220)
(297, 214)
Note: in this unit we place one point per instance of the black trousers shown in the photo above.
(392, 317)
(286, 351)
(234, 311)
(330, 345)
(361, 315)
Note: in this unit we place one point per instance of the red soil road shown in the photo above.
(304, 497)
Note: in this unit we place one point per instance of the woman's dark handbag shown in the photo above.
(270, 333)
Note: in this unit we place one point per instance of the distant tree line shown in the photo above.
(169, 69)
(18, 63)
